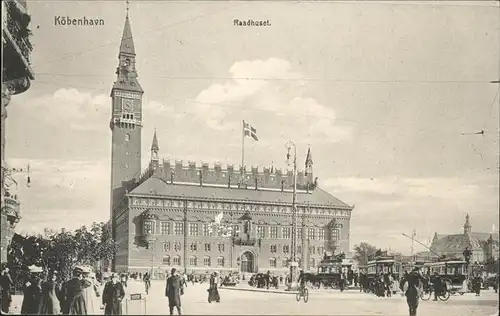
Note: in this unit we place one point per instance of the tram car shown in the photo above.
(383, 265)
(452, 272)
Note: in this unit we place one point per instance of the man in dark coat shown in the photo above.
(72, 299)
(112, 296)
(213, 291)
(412, 286)
(173, 292)
(32, 292)
(5, 287)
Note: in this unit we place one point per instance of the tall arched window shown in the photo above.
(272, 262)
(177, 260)
(207, 262)
(192, 261)
(127, 137)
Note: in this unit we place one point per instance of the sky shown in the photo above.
(387, 95)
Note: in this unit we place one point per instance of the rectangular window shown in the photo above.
(335, 234)
(273, 248)
(284, 262)
(166, 260)
(149, 227)
(260, 231)
(179, 228)
(287, 233)
(310, 233)
(193, 229)
(220, 247)
(193, 246)
(208, 247)
(299, 232)
(206, 230)
(165, 228)
(274, 232)
(321, 234)
(220, 261)
(312, 250)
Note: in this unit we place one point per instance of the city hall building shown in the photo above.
(162, 217)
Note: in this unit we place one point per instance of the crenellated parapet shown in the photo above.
(179, 171)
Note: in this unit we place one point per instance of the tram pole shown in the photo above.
(413, 239)
(294, 275)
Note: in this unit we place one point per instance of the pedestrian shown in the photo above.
(49, 302)
(5, 288)
(72, 293)
(112, 296)
(438, 285)
(32, 291)
(213, 291)
(412, 288)
(173, 291)
(476, 284)
(91, 292)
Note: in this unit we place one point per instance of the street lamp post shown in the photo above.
(293, 264)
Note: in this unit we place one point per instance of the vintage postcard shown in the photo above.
(250, 157)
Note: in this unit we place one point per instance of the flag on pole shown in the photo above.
(250, 131)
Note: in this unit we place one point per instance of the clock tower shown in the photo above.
(126, 120)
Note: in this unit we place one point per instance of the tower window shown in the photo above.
(127, 137)
(127, 62)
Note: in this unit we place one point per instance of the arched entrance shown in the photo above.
(247, 262)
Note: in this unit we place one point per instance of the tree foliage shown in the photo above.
(364, 251)
(62, 251)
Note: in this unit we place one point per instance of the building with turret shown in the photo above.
(16, 78)
(162, 217)
(484, 246)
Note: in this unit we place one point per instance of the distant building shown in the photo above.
(161, 217)
(16, 77)
(484, 246)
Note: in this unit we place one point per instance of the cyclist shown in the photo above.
(301, 281)
(438, 285)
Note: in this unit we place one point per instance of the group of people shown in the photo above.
(50, 296)
(80, 295)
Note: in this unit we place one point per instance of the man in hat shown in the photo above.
(5, 288)
(113, 295)
(32, 292)
(213, 291)
(173, 291)
(73, 302)
(412, 289)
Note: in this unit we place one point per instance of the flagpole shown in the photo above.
(243, 145)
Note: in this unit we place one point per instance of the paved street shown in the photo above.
(320, 303)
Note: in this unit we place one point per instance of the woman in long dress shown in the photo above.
(91, 294)
(49, 303)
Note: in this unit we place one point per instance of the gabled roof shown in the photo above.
(158, 187)
(456, 242)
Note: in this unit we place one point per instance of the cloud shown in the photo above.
(63, 194)
(268, 89)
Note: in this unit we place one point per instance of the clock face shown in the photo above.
(128, 105)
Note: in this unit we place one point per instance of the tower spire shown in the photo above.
(127, 44)
(128, 2)
(154, 145)
(309, 161)
(467, 225)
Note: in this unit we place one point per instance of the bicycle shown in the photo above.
(444, 295)
(303, 292)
